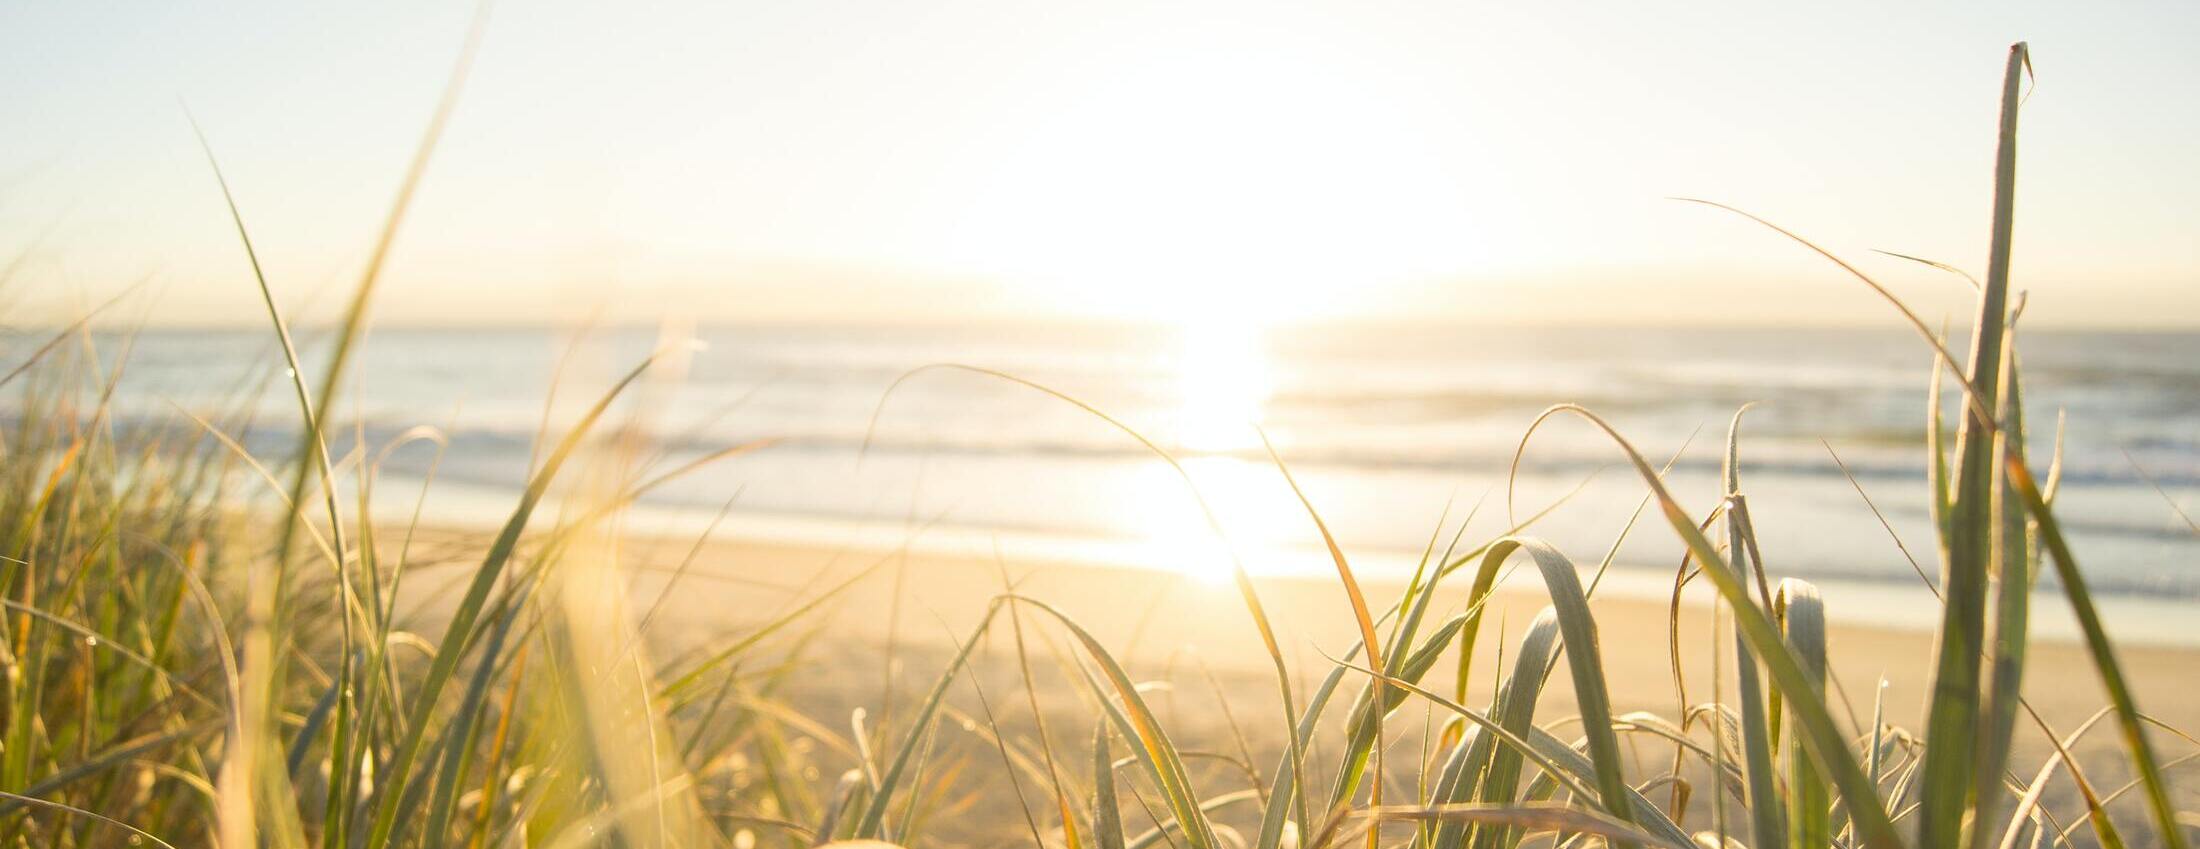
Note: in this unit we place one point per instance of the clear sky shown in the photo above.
(890, 160)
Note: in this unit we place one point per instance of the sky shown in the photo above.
(875, 161)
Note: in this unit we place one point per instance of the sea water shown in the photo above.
(1397, 434)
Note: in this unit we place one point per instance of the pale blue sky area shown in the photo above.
(890, 160)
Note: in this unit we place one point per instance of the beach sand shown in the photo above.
(1199, 638)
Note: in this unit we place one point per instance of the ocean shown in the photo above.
(1397, 434)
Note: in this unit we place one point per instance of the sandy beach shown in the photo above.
(1197, 637)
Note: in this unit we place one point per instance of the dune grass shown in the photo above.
(182, 669)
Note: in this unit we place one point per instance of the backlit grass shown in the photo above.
(203, 647)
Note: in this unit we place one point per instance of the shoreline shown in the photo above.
(2134, 621)
(1154, 620)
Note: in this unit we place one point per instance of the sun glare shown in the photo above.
(1223, 381)
(1261, 178)
(1176, 534)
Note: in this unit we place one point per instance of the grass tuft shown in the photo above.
(197, 651)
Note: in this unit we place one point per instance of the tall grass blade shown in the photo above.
(2014, 565)
(1514, 708)
(872, 824)
(1556, 758)
(1367, 638)
(1240, 577)
(1578, 627)
(1107, 814)
(1952, 723)
(1827, 744)
(2143, 759)
(461, 629)
(1365, 720)
(1802, 615)
(1160, 754)
(1538, 816)
(1761, 796)
(1276, 819)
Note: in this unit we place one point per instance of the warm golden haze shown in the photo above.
(870, 160)
(1191, 467)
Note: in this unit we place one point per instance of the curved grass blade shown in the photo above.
(1761, 798)
(1556, 758)
(1160, 756)
(1242, 578)
(1578, 627)
(1514, 708)
(2028, 801)
(1367, 639)
(136, 833)
(1206, 806)
(1825, 740)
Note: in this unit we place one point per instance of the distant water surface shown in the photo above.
(1383, 426)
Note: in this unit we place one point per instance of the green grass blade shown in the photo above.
(1827, 744)
(1809, 802)
(1952, 732)
(1555, 757)
(460, 631)
(1240, 577)
(1364, 722)
(1578, 627)
(1514, 708)
(1107, 814)
(1284, 788)
(1761, 799)
(450, 780)
(1537, 816)
(872, 824)
(1936, 461)
(2014, 560)
(1163, 759)
(2097, 644)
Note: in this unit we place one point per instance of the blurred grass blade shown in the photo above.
(460, 631)
(1534, 816)
(2128, 721)
(1107, 815)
